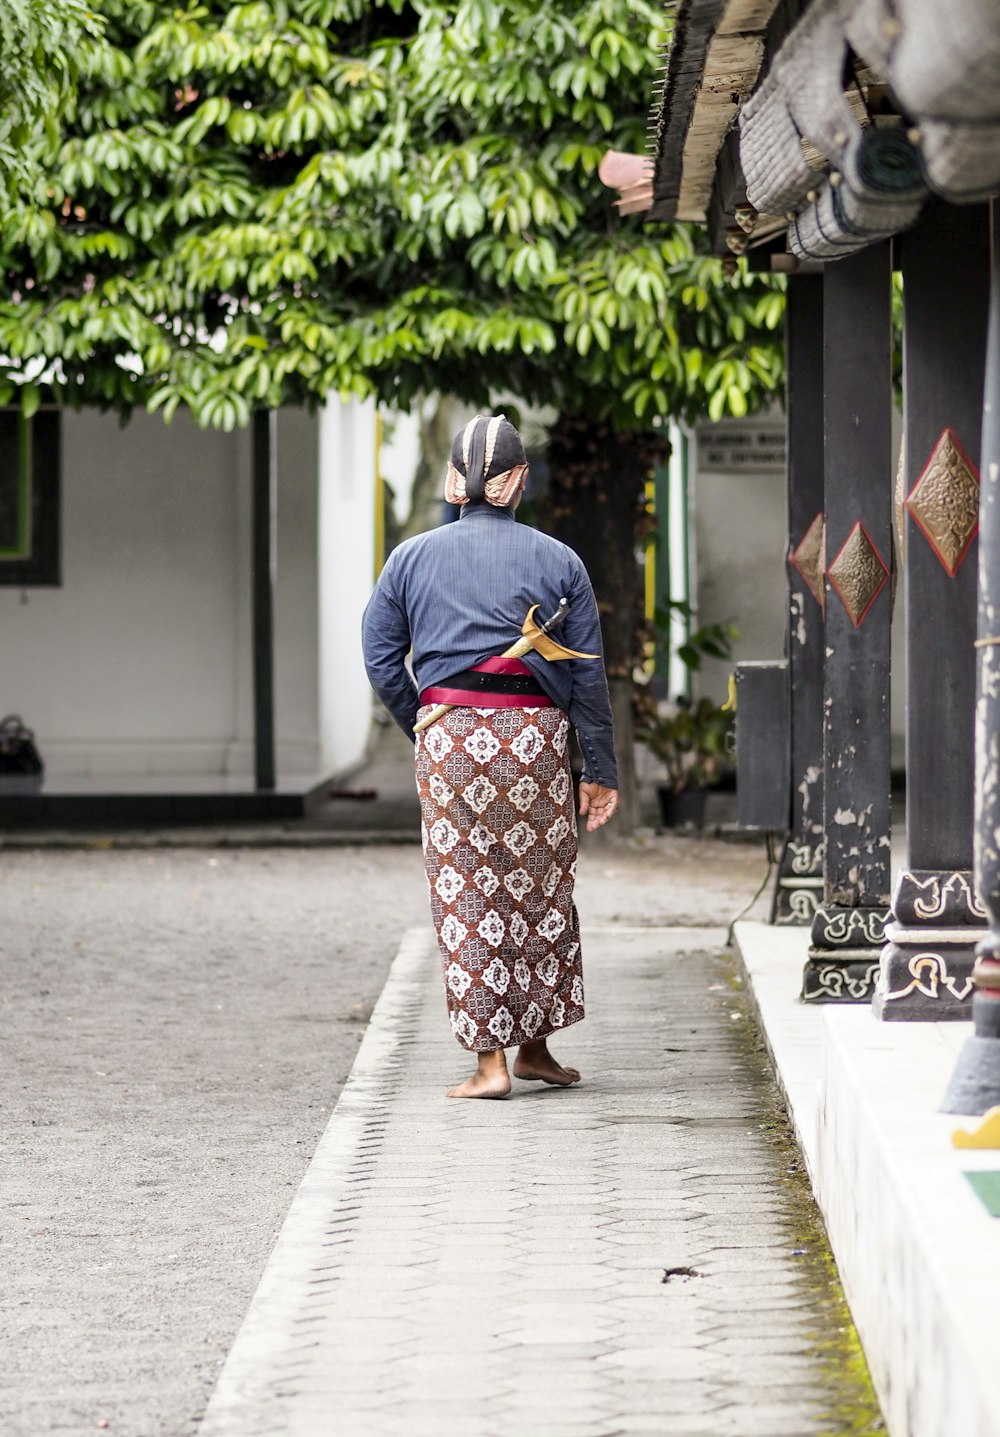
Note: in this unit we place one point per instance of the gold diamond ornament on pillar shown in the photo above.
(944, 502)
(858, 574)
(809, 559)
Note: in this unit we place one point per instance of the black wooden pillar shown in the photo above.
(975, 1083)
(857, 350)
(264, 505)
(800, 868)
(926, 969)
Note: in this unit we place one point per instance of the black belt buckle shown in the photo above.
(478, 681)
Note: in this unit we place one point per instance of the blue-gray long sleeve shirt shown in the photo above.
(460, 593)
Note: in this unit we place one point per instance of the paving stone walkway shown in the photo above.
(488, 1268)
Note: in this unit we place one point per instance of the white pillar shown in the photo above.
(346, 538)
(680, 531)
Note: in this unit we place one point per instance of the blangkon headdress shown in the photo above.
(487, 463)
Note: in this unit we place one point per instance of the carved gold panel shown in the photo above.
(810, 559)
(944, 502)
(858, 574)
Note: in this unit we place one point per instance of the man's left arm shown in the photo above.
(590, 706)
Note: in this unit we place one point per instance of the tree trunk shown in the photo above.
(597, 505)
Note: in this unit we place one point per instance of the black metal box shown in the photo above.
(763, 759)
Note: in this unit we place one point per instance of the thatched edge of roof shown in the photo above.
(695, 22)
(712, 64)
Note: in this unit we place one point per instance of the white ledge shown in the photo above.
(918, 1255)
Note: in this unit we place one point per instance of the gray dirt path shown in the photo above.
(176, 1029)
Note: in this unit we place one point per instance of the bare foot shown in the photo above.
(480, 1086)
(535, 1064)
(490, 1080)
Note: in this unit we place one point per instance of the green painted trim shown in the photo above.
(686, 572)
(661, 572)
(24, 496)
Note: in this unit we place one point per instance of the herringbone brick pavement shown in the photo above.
(619, 1258)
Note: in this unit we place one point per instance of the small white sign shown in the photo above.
(741, 448)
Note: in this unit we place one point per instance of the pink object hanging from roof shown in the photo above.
(632, 175)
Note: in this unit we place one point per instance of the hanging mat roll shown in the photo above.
(881, 191)
(941, 60)
(774, 164)
(944, 60)
(961, 161)
(802, 102)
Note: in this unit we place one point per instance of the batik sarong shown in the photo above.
(499, 836)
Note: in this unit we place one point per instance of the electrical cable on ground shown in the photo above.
(771, 860)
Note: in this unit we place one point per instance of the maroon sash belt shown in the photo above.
(487, 698)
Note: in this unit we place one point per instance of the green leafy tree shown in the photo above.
(274, 200)
(38, 41)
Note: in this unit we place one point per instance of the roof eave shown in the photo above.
(712, 66)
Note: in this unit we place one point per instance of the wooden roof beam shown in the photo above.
(714, 65)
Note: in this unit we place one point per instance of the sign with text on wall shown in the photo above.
(753, 448)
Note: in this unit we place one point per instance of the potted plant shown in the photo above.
(692, 738)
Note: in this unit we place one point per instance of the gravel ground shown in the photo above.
(177, 1024)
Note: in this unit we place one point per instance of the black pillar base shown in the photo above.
(845, 977)
(843, 961)
(836, 927)
(926, 968)
(925, 977)
(799, 889)
(975, 1084)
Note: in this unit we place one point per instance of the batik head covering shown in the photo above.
(487, 463)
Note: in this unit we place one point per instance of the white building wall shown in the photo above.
(141, 662)
(737, 558)
(129, 666)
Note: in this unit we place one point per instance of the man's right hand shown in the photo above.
(597, 804)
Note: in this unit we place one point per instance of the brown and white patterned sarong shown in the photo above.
(499, 835)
